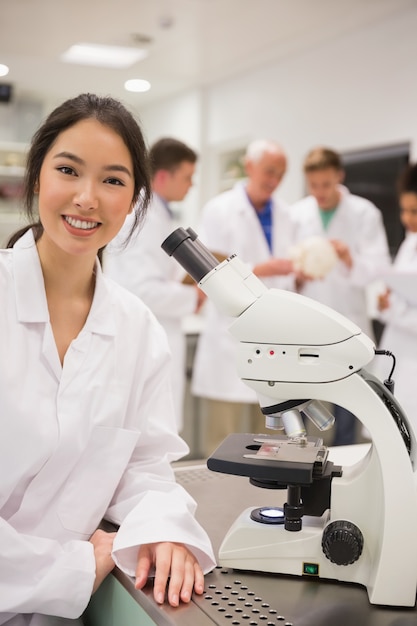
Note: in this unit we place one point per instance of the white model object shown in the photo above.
(295, 352)
(314, 256)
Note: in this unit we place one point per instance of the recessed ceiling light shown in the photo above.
(137, 85)
(4, 70)
(103, 56)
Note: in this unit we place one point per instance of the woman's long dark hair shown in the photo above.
(109, 112)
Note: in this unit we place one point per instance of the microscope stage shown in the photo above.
(273, 459)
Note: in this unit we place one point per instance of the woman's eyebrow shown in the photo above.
(69, 155)
(118, 168)
(109, 168)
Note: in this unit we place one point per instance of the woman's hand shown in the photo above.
(173, 561)
(103, 545)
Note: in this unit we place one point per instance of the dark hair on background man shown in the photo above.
(168, 153)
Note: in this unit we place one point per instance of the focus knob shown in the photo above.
(342, 542)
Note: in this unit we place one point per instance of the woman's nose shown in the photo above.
(86, 197)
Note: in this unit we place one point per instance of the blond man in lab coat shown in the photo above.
(144, 268)
(355, 228)
(249, 221)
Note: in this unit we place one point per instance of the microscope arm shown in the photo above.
(281, 336)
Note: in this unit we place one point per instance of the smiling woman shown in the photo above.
(93, 435)
(85, 190)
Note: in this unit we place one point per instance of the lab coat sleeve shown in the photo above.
(213, 230)
(370, 254)
(149, 505)
(39, 575)
(400, 314)
(148, 272)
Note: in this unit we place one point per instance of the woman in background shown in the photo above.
(399, 312)
(87, 425)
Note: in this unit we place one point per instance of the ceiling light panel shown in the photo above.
(103, 56)
(137, 85)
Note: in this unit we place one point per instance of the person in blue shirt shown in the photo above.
(249, 220)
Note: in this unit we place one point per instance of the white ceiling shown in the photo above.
(191, 42)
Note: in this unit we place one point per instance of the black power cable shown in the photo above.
(388, 382)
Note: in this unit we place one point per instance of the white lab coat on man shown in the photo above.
(91, 439)
(400, 334)
(358, 223)
(229, 225)
(148, 272)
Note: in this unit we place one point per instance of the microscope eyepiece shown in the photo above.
(186, 248)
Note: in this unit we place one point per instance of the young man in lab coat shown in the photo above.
(144, 268)
(249, 221)
(355, 228)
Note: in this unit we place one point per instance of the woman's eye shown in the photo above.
(65, 169)
(115, 181)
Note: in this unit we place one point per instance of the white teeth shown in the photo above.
(80, 224)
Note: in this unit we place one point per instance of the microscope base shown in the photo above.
(253, 546)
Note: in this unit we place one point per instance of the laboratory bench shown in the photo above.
(240, 598)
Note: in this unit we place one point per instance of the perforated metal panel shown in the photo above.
(227, 599)
(229, 596)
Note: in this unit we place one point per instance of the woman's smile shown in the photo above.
(76, 224)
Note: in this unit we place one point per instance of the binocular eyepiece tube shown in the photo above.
(191, 254)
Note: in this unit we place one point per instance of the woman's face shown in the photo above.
(85, 188)
(408, 214)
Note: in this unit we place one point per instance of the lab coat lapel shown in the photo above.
(253, 225)
(98, 322)
(31, 303)
(340, 224)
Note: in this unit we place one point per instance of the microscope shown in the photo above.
(355, 524)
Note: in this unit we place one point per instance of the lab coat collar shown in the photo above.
(31, 303)
(164, 203)
(407, 251)
(30, 290)
(411, 239)
(344, 191)
(101, 319)
(245, 205)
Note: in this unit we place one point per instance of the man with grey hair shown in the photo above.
(249, 221)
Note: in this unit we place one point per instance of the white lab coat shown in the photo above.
(358, 223)
(146, 270)
(88, 440)
(400, 335)
(229, 225)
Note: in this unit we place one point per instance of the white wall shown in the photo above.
(180, 118)
(356, 91)
(353, 92)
